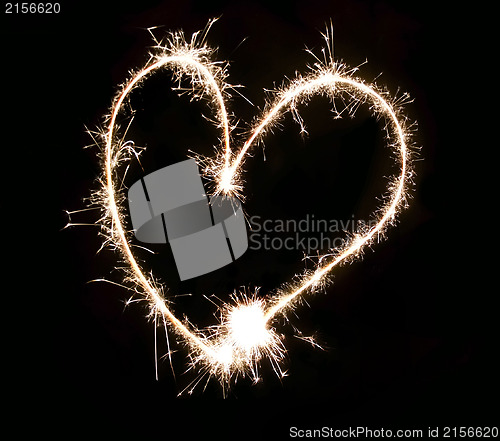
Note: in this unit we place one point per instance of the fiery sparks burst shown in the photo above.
(245, 333)
(242, 339)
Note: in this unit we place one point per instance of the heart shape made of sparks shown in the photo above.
(245, 333)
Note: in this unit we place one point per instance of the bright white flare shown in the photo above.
(247, 327)
(245, 333)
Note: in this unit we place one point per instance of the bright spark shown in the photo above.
(248, 327)
(245, 333)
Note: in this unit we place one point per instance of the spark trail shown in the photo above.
(245, 333)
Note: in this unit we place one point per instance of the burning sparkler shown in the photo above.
(245, 333)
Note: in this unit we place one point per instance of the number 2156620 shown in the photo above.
(32, 8)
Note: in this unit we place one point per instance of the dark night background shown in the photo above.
(409, 331)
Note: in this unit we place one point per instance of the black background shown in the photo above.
(409, 335)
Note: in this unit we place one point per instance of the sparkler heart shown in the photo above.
(245, 333)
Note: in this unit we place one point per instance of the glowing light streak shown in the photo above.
(333, 80)
(245, 334)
